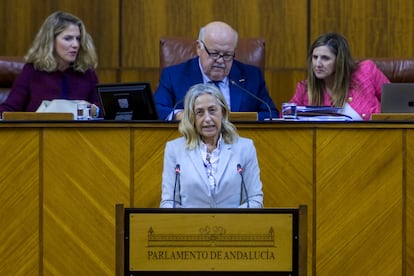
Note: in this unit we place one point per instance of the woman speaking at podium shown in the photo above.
(210, 166)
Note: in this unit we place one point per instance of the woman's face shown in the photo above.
(208, 116)
(323, 62)
(67, 45)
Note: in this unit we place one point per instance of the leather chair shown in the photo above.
(396, 69)
(10, 67)
(174, 50)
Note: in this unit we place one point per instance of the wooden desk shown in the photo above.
(60, 181)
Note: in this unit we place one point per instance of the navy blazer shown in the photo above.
(177, 79)
(194, 188)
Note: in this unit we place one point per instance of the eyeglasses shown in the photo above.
(217, 55)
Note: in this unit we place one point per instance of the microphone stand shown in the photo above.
(242, 186)
(177, 183)
(254, 96)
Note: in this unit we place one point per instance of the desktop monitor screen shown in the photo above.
(127, 101)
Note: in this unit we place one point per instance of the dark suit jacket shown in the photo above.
(177, 79)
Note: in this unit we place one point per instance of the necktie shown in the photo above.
(216, 83)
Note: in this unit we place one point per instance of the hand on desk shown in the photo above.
(178, 116)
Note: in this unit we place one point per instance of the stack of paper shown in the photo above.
(321, 113)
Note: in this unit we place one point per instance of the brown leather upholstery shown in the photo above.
(174, 50)
(10, 67)
(396, 69)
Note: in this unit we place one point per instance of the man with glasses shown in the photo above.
(216, 63)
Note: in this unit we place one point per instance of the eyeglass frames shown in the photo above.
(216, 55)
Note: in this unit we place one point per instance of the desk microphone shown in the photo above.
(252, 95)
(243, 189)
(177, 184)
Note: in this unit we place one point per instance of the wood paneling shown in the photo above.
(408, 190)
(281, 23)
(148, 160)
(373, 28)
(359, 202)
(356, 179)
(79, 201)
(282, 84)
(286, 173)
(21, 20)
(19, 197)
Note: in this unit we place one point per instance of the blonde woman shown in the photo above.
(211, 166)
(60, 64)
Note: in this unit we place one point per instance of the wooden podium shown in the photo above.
(268, 241)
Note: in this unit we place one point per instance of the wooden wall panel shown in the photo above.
(357, 180)
(86, 173)
(19, 197)
(147, 161)
(282, 84)
(409, 204)
(374, 28)
(359, 211)
(150, 75)
(21, 20)
(281, 23)
(285, 169)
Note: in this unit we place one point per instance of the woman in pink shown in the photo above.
(335, 79)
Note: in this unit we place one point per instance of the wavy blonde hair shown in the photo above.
(42, 52)
(187, 124)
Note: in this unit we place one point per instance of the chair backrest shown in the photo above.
(10, 67)
(396, 69)
(174, 50)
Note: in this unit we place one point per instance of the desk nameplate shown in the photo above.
(212, 241)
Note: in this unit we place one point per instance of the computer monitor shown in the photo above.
(127, 101)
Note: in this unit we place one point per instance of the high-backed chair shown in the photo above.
(10, 67)
(174, 50)
(396, 69)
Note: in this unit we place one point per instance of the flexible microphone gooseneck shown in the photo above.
(254, 96)
(177, 184)
(175, 107)
(242, 186)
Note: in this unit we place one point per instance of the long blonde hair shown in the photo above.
(187, 124)
(42, 51)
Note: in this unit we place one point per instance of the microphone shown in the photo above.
(252, 95)
(242, 186)
(177, 184)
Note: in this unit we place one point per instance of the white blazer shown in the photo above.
(194, 188)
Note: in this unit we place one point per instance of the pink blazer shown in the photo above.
(364, 95)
